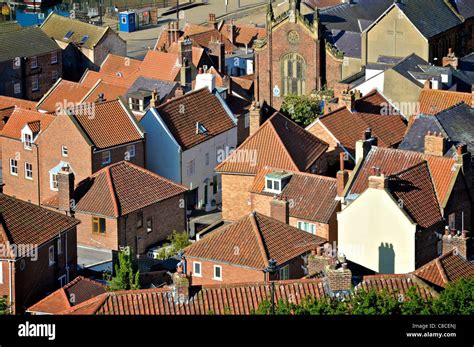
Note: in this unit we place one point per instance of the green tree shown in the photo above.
(303, 109)
(177, 241)
(372, 302)
(4, 308)
(456, 298)
(413, 303)
(126, 273)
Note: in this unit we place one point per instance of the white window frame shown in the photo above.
(54, 58)
(60, 245)
(27, 141)
(34, 83)
(214, 273)
(52, 180)
(195, 273)
(272, 190)
(1, 272)
(54, 76)
(106, 158)
(13, 167)
(17, 88)
(131, 151)
(283, 270)
(28, 177)
(307, 226)
(62, 280)
(51, 253)
(64, 151)
(34, 63)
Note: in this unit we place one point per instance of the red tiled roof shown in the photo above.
(375, 103)
(448, 267)
(109, 90)
(278, 143)
(90, 78)
(203, 38)
(348, 127)
(433, 101)
(396, 284)
(20, 117)
(241, 298)
(75, 292)
(108, 123)
(114, 64)
(257, 238)
(414, 189)
(197, 52)
(160, 65)
(181, 115)
(6, 101)
(25, 223)
(243, 34)
(313, 197)
(61, 95)
(5, 114)
(391, 161)
(120, 189)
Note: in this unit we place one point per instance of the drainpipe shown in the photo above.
(10, 285)
(38, 173)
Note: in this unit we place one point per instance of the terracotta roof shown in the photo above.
(391, 161)
(108, 123)
(448, 267)
(120, 189)
(414, 189)
(6, 101)
(5, 114)
(376, 103)
(114, 64)
(20, 117)
(258, 239)
(348, 127)
(278, 143)
(160, 65)
(25, 223)
(90, 78)
(182, 114)
(433, 101)
(313, 197)
(109, 90)
(396, 284)
(203, 38)
(61, 95)
(243, 34)
(241, 298)
(75, 292)
(197, 52)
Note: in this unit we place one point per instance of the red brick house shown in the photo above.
(240, 252)
(38, 252)
(122, 205)
(303, 200)
(278, 143)
(87, 138)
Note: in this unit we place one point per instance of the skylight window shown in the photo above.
(200, 128)
(68, 35)
(84, 39)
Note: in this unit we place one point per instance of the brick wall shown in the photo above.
(118, 154)
(426, 245)
(86, 237)
(333, 70)
(44, 73)
(322, 134)
(459, 204)
(235, 196)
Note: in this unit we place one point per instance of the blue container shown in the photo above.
(127, 22)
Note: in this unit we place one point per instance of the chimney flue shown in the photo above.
(65, 180)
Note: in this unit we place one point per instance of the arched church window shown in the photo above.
(293, 72)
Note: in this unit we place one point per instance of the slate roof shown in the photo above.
(446, 268)
(345, 41)
(279, 143)
(393, 161)
(456, 124)
(25, 223)
(75, 292)
(348, 127)
(464, 7)
(107, 124)
(120, 189)
(410, 64)
(57, 27)
(62, 94)
(164, 88)
(20, 117)
(321, 4)
(313, 197)
(258, 238)
(241, 299)
(27, 42)
(422, 12)
(433, 101)
(182, 114)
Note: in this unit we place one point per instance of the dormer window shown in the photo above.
(276, 181)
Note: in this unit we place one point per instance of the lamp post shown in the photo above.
(271, 270)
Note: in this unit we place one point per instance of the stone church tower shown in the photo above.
(290, 60)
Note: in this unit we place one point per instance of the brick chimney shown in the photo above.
(65, 189)
(155, 99)
(255, 117)
(451, 59)
(212, 20)
(460, 241)
(339, 276)
(181, 286)
(427, 84)
(435, 144)
(342, 176)
(378, 180)
(347, 99)
(463, 158)
(185, 49)
(231, 31)
(363, 146)
(280, 209)
(227, 83)
(318, 260)
(217, 54)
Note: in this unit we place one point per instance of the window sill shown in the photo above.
(217, 279)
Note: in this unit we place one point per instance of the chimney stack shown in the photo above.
(451, 59)
(363, 146)
(154, 99)
(435, 144)
(460, 241)
(212, 20)
(378, 181)
(217, 54)
(231, 31)
(280, 209)
(65, 189)
(255, 117)
(342, 176)
(463, 158)
(348, 99)
(181, 286)
(339, 276)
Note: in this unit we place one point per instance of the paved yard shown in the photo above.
(87, 256)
